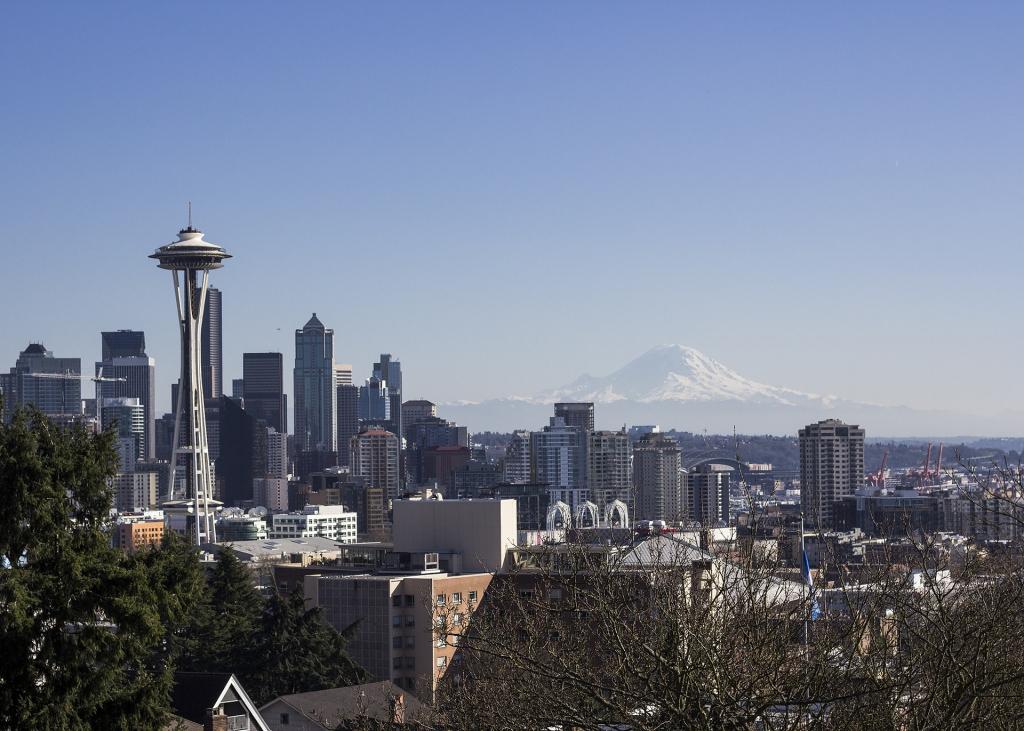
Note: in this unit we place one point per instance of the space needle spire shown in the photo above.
(190, 259)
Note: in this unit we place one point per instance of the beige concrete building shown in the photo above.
(134, 490)
(396, 637)
(481, 531)
(831, 468)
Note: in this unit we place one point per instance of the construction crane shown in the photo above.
(69, 376)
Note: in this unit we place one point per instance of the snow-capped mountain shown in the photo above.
(680, 387)
(675, 373)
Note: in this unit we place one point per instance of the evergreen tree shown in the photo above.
(220, 635)
(183, 598)
(79, 620)
(296, 651)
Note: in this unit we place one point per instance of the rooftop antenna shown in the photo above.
(190, 215)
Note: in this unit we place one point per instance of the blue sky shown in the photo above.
(506, 195)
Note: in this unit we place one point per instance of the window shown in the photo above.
(410, 663)
(396, 620)
(457, 618)
(285, 719)
(456, 597)
(442, 661)
(554, 594)
(396, 600)
(396, 663)
(410, 600)
(472, 596)
(396, 642)
(441, 641)
(410, 641)
(410, 620)
(440, 599)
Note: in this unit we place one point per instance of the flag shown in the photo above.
(809, 581)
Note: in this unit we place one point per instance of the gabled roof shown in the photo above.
(314, 324)
(194, 693)
(334, 705)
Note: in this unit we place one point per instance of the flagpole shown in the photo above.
(805, 562)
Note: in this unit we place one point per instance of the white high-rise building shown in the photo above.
(342, 374)
(334, 522)
(558, 458)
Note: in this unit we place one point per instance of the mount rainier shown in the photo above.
(680, 387)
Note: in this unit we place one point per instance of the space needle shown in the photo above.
(192, 258)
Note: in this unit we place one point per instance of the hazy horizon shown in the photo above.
(507, 197)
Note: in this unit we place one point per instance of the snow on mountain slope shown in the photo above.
(674, 373)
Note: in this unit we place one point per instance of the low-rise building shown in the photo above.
(320, 521)
(134, 535)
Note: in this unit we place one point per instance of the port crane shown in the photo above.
(69, 376)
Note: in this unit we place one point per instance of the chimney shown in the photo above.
(215, 720)
(398, 709)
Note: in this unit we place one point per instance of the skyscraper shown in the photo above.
(374, 401)
(390, 371)
(517, 459)
(658, 479)
(263, 388)
(608, 467)
(414, 411)
(315, 398)
(375, 459)
(558, 458)
(54, 396)
(831, 468)
(124, 357)
(707, 491)
(348, 420)
(579, 415)
(211, 343)
(342, 374)
(123, 344)
(127, 416)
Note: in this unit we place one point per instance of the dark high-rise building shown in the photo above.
(124, 357)
(212, 346)
(579, 415)
(374, 402)
(315, 398)
(123, 344)
(243, 452)
(390, 371)
(831, 468)
(36, 380)
(348, 420)
(426, 434)
(263, 384)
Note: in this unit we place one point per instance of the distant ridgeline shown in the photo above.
(784, 454)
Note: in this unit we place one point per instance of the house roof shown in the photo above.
(194, 693)
(334, 705)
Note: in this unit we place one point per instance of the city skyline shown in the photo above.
(765, 181)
